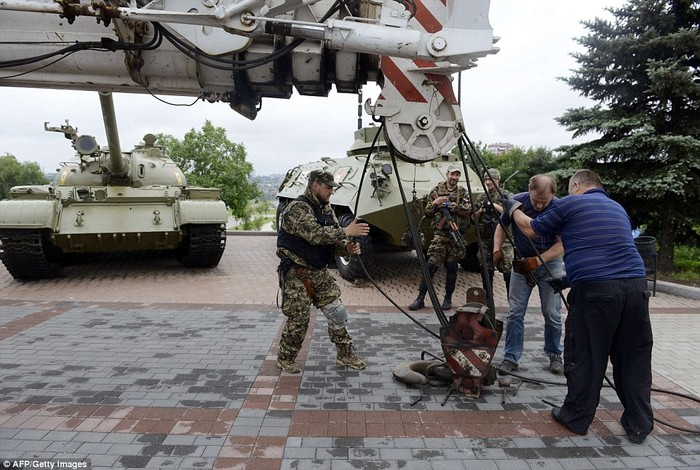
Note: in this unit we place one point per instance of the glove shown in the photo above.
(530, 278)
(511, 205)
(525, 265)
(497, 259)
(558, 283)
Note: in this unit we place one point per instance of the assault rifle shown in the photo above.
(452, 226)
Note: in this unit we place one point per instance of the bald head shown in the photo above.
(583, 180)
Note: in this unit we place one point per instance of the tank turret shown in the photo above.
(107, 200)
(380, 203)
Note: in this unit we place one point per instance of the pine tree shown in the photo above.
(642, 71)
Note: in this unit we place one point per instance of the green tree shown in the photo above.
(209, 159)
(14, 173)
(517, 165)
(642, 70)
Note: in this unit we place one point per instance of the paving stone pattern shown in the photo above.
(160, 367)
(135, 357)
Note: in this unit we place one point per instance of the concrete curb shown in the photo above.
(251, 233)
(680, 290)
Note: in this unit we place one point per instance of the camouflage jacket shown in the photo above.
(298, 220)
(458, 207)
(488, 220)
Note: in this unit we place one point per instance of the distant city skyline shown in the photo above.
(500, 147)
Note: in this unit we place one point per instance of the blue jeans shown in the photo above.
(551, 310)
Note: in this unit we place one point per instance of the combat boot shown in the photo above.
(419, 302)
(450, 284)
(291, 367)
(447, 302)
(423, 289)
(347, 358)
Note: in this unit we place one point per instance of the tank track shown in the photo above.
(203, 246)
(27, 255)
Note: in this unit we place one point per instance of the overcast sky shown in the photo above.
(512, 96)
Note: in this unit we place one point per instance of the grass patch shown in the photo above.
(686, 265)
(687, 259)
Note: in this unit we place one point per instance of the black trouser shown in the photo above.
(608, 319)
(506, 279)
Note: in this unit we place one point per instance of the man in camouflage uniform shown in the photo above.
(443, 248)
(309, 237)
(487, 211)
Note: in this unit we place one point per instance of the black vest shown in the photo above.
(317, 256)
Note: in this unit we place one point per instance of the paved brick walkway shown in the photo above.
(135, 362)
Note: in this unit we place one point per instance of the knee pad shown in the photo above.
(336, 314)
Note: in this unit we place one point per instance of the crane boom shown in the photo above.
(241, 51)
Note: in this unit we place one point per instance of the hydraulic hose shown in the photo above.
(411, 224)
(477, 158)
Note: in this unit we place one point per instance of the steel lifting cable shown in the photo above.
(442, 318)
(476, 161)
(485, 278)
(659, 420)
(609, 384)
(548, 382)
(475, 155)
(419, 251)
(364, 268)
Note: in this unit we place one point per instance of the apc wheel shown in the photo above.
(349, 266)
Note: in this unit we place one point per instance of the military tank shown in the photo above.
(380, 203)
(110, 201)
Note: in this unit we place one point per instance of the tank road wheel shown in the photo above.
(349, 266)
(202, 245)
(29, 254)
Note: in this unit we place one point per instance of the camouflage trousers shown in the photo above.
(296, 306)
(444, 248)
(506, 264)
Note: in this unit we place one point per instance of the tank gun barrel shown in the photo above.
(116, 160)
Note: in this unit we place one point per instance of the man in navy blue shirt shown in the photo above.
(547, 249)
(608, 305)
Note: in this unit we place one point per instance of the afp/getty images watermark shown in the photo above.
(50, 464)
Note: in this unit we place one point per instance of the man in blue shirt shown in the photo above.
(547, 249)
(608, 305)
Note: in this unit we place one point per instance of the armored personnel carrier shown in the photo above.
(380, 203)
(110, 201)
